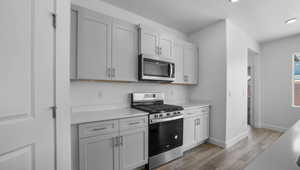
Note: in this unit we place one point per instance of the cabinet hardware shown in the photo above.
(108, 72)
(134, 123)
(160, 50)
(121, 141)
(115, 141)
(97, 129)
(113, 72)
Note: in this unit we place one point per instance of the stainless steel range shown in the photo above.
(165, 127)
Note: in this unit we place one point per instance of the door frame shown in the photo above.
(62, 85)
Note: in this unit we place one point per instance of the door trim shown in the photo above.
(62, 84)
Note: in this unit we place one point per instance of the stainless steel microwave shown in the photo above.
(156, 69)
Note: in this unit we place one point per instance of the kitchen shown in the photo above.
(149, 85)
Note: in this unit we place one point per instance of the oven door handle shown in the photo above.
(166, 119)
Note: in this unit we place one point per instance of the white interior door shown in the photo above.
(26, 88)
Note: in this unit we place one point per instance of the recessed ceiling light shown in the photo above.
(234, 1)
(291, 20)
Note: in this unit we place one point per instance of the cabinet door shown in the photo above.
(94, 45)
(178, 56)
(190, 65)
(148, 41)
(189, 132)
(124, 51)
(166, 46)
(99, 153)
(73, 45)
(204, 127)
(133, 148)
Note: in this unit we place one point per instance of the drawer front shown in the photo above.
(132, 123)
(98, 128)
(196, 111)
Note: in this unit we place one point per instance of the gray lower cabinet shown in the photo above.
(196, 127)
(133, 149)
(99, 153)
(113, 145)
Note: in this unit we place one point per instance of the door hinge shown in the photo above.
(54, 20)
(54, 109)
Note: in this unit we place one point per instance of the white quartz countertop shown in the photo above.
(282, 155)
(102, 115)
(191, 105)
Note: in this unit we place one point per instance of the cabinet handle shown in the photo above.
(160, 49)
(108, 72)
(121, 140)
(98, 129)
(115, 141)
(134, 123)
(113, 72)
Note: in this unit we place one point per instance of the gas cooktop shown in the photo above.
(158, 108)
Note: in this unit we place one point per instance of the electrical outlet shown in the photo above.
(100, 94)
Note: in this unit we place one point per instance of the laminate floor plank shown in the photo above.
(236, 157)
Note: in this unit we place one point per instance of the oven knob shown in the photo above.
(155, 116)
(160, 115)
(168, 114)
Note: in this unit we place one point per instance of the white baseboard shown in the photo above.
(228, 143)
(217, 142)
(274, 127)
(236, 139)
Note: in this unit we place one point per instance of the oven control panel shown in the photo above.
(165, 116)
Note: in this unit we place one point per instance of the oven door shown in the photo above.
(154, 69)
(165, 136)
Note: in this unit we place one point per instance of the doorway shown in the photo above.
(251, 88)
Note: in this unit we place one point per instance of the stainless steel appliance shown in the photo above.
(165, 127)
(156, 69)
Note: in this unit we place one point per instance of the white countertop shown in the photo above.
(191, 105)
(109, 114)
(282, 155)
(101, 115)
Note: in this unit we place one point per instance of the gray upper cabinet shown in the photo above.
(165, 46)
(186, 63)
(179, 57)
(190, 64)
(124, 63)
(154, 43)
(149, 39)
(94, 44)
(107, 48)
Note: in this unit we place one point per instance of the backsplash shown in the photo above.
(107, 95)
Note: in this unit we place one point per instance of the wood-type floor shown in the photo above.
(237, 157)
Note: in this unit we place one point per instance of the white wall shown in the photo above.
(95, 95)
(223, 60)
(238, 44)
(211, 42)
(90, 95)
(276, 64)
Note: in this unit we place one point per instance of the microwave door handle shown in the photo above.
(171, 70)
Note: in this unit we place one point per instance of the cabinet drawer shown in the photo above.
(98, 128)
(196, 111)
(132, 123)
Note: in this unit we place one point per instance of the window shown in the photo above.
(296, 80)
